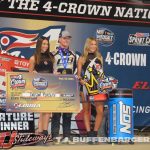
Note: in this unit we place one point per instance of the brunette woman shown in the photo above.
(42, 62)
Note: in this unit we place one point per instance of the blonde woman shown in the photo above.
(91, 58)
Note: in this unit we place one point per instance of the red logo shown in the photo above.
(4, 142)
(141, 85)
(8, 139)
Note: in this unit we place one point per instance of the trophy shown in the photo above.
(98, 85)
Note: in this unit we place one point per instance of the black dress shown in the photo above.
(90, 57)
(45, 65)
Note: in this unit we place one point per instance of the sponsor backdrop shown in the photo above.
(125, 50)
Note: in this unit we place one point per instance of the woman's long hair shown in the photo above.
(37, 53)
(86, 50)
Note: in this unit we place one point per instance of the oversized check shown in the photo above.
(41, 92)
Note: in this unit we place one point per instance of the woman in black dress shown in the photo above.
(91, 60)
(42, 62)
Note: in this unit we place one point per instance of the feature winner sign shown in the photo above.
(29, 92)
(21, 122)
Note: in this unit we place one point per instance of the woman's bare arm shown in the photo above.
(79, 69)
(32, 64)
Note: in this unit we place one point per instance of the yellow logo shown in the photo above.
(93, 82)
